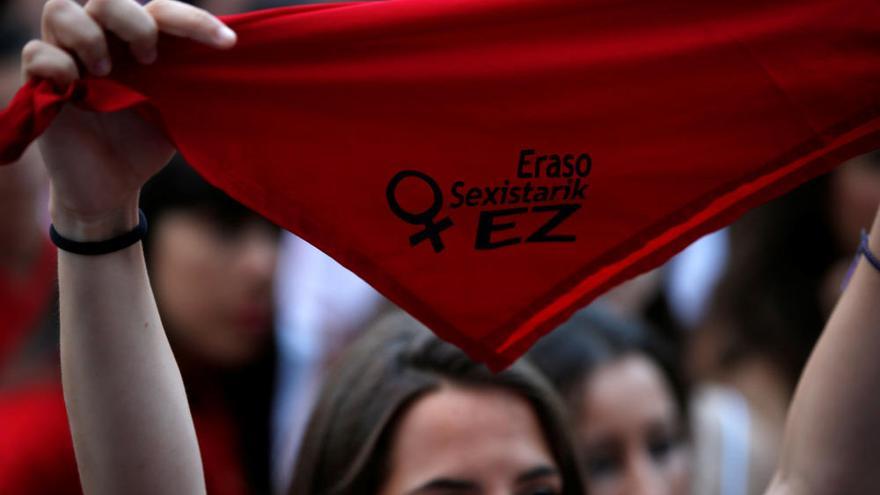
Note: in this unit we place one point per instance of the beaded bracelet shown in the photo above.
(865, 250)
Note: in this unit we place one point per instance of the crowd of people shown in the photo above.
(222, 356)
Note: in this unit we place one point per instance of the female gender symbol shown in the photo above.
(432, 230)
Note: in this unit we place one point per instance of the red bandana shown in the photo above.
(493, 165)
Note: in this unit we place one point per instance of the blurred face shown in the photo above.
(213, 283)
(631, 431)
(460, 441)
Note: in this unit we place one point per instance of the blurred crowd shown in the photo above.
(677, 382)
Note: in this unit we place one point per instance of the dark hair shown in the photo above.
(768, 299)
(179, 187)
(247, 390)
(346, 446)
(594, 337)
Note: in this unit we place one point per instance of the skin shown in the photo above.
(214, 285)
(855, 191)
(131, 426)
(832, 431)
(469, 441)
(630, 428)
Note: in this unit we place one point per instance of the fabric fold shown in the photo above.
(493, 165)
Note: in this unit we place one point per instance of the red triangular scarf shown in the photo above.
(493, 165)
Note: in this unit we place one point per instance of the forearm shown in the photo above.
(126, 404)
(128, 413)
(833, 430)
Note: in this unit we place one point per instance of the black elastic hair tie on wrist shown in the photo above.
(101, 247)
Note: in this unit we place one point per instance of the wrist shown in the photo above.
(874, 235)
(94, 227)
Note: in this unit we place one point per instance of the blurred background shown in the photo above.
(256, 316)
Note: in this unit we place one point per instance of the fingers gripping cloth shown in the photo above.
(493, 165)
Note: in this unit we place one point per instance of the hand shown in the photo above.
(97, 162)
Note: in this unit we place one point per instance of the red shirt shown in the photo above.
(37, 457)
(24, 300)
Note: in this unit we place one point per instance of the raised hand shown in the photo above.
(97, 162)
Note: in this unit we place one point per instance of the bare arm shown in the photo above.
(127, 408)
(833, 429)
(128, 411)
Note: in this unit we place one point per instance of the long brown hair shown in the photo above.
(594, 337)
(346, 446)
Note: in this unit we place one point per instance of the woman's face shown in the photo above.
(471, 441)
(631, 431)
(213, 283)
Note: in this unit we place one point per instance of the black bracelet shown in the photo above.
(101, 247)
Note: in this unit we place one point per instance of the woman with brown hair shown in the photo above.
(627, 400)
(406, 413)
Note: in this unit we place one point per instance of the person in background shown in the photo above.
(764, 318)
(128, 410)
(322, 307)
(627, 400)
(212, 265)
(28, 287)
(405, 413)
